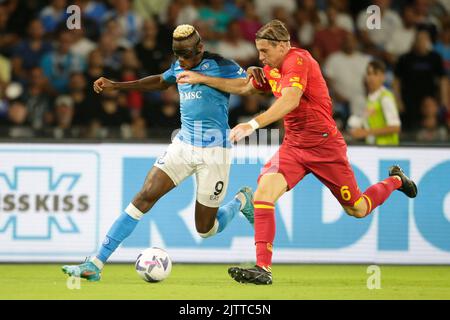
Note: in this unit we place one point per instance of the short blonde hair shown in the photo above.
(183, 31)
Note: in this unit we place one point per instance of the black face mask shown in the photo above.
(187, 53)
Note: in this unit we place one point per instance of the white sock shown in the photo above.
(240, 196)
(134, 212)
(96, 261)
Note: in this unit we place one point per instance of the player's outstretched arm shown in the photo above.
(289, 100)
(241, 86)
(150, 83)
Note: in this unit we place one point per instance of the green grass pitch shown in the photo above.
(199, 281)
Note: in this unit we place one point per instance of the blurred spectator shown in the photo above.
(250, 22)
(345, 71)
(110, 51)
(8, 37)
(235, 8)
(151, 9)
(20, 13)
(60, 63)
(235, 47)
(82, 46)
(130, 72)
(93, 10)
(150, 53)
(53, 15)
(29, 52)
(215, 16)
(129, 21)
(264, 8)
(92, 13)
(444, 4)
(431, 129)
(84, 103)
(64, 112)
(381, 114)
(280, 13)
(164, 113)
(138, 128)
(38, 100)
(439, 9)
(376, 39)
(16, 125)
(167, 23)
(343, 18)
(209, 37)
(111, 116)
(308, 20)
(443, 47)
(112, 27)
(329, 39)
(96, 68)
(5, 70)
(419, 74)
(428, 16)
(188, 13)
(402, 38)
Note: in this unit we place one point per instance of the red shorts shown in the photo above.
(328, 162)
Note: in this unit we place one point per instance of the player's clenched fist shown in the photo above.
(103, 84)
(190, 77)
(241, 131)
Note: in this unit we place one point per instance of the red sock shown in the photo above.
(377, 194)
(264, 232)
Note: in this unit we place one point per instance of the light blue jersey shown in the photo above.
(204, 110)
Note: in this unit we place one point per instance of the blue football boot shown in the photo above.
(87, 270)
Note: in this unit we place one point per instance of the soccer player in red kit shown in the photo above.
(312, 142)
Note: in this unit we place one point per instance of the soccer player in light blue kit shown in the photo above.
(201, 147)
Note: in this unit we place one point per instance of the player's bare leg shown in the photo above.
(378, 193)
(270, 188)
(205, 220)
(157, 184)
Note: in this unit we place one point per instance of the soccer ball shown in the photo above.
(153, 264)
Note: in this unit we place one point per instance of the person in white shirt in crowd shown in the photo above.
(188, 13)
(264, 8)
(82, 45)
(402, 38)
(390, 21)
(345, 71)
(235, 47)
(343, 19)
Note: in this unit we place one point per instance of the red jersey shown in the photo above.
(312, 121)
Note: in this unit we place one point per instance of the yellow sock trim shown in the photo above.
(369, 202)
(263, 206)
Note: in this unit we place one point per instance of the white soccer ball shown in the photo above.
(153, 264)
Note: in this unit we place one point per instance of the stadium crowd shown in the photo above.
(47, 70)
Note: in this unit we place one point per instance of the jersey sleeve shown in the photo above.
(390, 111)
(231, 70)
(295, 73)
(169, 75)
